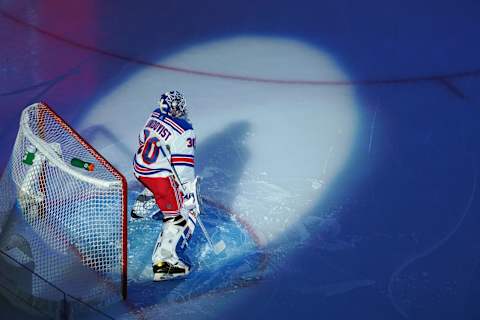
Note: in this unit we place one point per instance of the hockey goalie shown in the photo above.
(165, 166)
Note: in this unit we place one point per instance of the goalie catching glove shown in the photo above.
(144, 205)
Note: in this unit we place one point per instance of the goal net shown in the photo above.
(66, 205)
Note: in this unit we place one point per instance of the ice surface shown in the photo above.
(261, 154)
(374, 219)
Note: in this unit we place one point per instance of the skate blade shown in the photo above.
(153, 214)
(165, 277)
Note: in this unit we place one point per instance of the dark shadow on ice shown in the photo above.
(104, 137)
(221, 161)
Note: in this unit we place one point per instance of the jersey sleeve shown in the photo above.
(142, 136)
(183, 156)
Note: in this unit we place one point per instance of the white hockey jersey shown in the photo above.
(178, 136)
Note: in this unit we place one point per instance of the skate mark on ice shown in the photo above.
(333, 289)
(44, 84)
(452, 88)
(327, 161)
(395, 276)
(243, 265)
(248, 227)
(372, 129)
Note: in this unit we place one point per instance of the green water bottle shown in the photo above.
(29, 155)
(82, 164)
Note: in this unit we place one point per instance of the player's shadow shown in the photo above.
(220, 160)
(104, 137)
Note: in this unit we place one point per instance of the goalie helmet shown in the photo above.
(173, 104)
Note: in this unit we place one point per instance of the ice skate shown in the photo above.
(168, 261)
(164, 270)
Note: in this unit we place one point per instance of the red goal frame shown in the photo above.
(45, 109)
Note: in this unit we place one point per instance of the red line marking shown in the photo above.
(239, 284)
(140, 312)
(248, 227)
(244, 223)
(404, 80)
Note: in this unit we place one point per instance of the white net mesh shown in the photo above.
(72, 219)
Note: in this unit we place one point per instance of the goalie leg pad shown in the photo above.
(168, 260)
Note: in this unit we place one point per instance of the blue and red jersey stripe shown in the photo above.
(174, 125)
(183, 160)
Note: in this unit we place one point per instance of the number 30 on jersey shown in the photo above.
(191, 142)
(150, 150)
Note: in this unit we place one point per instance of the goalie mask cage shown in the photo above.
(73, 220)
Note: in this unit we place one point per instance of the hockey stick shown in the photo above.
(220, 245)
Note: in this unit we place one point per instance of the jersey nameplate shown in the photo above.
(160, 128)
